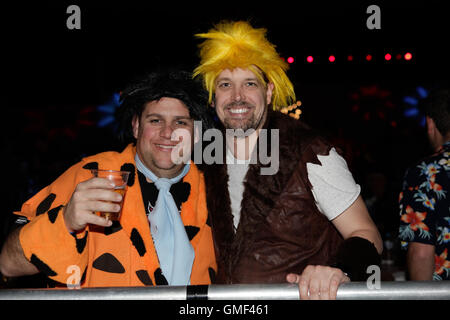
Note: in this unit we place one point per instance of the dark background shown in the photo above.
(55, 79)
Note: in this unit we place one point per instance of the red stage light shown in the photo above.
(408, 56)
(350, 58)
(290, 60)
(309, 59)
(388, 56)
(369, 57)
(331, 58)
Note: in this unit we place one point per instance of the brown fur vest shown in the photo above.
(280, 229)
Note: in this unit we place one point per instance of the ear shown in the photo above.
(434, 136)
(135, 124)
(269, 92)
(431, 126)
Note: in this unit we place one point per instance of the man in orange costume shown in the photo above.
(64, 237)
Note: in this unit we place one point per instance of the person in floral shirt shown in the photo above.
(425, 200)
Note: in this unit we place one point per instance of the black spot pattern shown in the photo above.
(159, 278)
(53, 213)
(81, 243)
(180, 192)
(91, 165)
(83, 277)
(132, 170)
(115, 227)
(42, 266)
(45, 204)
(208, 220)
(144, 277)
(149, 193)
(137, 241)
(191, 231)
(212, 274)
(108, 263)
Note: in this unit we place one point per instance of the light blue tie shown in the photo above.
(174, 250)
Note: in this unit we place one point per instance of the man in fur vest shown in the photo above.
(298, 217)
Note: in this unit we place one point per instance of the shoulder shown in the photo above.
(296, 134)
(333, 185)
(286, 124)
(428, 166)
(443, 153)
(111, 160)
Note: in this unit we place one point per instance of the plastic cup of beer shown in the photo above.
(120, 179)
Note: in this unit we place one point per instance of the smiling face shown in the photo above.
(163, 129)
(241, 99)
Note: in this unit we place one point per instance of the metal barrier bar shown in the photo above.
(407, 290)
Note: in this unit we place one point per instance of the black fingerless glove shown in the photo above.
(354, 256)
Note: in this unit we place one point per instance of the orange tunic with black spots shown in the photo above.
(120, 255)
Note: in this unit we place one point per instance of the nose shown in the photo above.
(166, 132)
(238, 94)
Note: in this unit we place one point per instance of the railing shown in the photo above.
(407, 290)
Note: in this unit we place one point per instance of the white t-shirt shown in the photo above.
(333, 186)
(237, 169)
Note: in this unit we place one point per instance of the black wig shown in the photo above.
(153, 87)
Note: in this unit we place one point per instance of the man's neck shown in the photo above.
(168, 173)
(447, 137)
(242, 147)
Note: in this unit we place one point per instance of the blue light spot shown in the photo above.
(116, 98)
(411, 100)
(423, 93)
(422, 122)
(105, 121)
(106, 108)
(411, 112)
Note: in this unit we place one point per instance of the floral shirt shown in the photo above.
(425, 208)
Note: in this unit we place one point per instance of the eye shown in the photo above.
(154, 120)
(224, 85)
(251, 84)
(181, 123)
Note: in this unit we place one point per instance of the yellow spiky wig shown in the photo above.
(233, 45)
